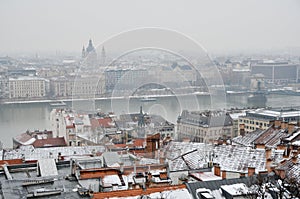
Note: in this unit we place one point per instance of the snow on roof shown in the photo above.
(296, 143)
(196, 159)
(207, 195)
(174, 194)
(238, 159)
(111, 159)
(274, 113)
(109, 180)
(145, 161)
(235, 189)
(31, 153)
(205, 176)
(157, 171)
(217, 194)
(28, 142)
(235, 116)
(248, 139)
(47, 167)
(175, 149)
(293, 136)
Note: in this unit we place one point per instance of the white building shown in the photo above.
(3, 86)
(58, 124)
(261, 118)
(123, 79)
(204, 126)
(81, 86)
(70, 125)
(27, 87)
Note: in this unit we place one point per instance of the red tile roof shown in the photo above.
(97, 173)
(139, 142)
(70, 127)
(105, 122)
(50, 142)
(101, 122)
(137, 192)
(11, 162)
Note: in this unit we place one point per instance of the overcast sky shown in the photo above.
(56, 25)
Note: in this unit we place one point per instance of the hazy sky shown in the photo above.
(56, 25)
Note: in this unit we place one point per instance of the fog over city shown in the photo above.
(153, 99)
(220, 26)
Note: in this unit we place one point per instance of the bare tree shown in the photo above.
(262, 185)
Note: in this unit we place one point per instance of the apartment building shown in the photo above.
(262, 118)
(204, 126)
(27, 87)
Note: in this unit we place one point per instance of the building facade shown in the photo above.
(3, 85)
(262, 118)
(27, 87)
(126, 77)
(89, 55)
(276, 72)
(204, 126)
(81, 86)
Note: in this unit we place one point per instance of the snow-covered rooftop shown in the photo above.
(238, 159)
(31, 153)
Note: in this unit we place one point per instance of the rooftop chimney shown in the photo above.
(277, 123)
(284, 125)
(217, 170)
(242, 129)
(269, 165)
(134, 167)
(251, 171)
(291, 127)
(268, 153)
(121, 167)
(223, 174)
(295, 159)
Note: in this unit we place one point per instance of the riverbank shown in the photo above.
(8, 101)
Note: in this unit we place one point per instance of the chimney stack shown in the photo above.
(294, 156)
(284, 125)
(269, 165)
(242, 129)
(268, 153)
(121, 167)
(217, 170)
(291, 127)
(277, 123)
(223, 174)
(295, 159)
(134, 167)
(251, 171)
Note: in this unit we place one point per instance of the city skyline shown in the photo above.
(224, 27)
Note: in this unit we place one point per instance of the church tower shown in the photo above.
(90, 55)
(90, 47)
(83, 53)
(103, 57)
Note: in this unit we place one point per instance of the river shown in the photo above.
(17, 118)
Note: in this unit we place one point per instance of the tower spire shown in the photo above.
(90, 47)
(103, 56)
(83, 53)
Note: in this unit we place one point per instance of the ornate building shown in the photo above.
(89, 55)
(204, 126)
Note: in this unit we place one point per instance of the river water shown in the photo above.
(17, 118)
